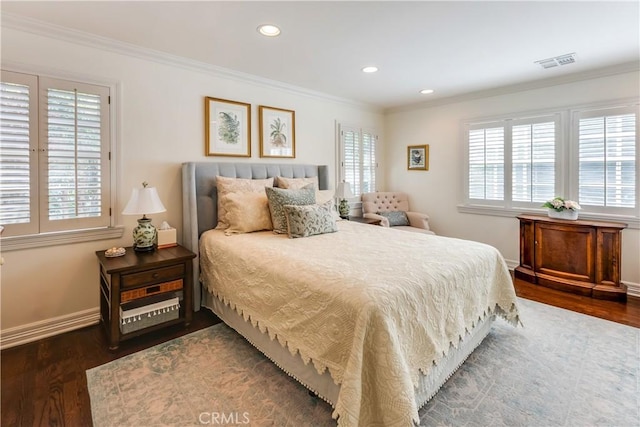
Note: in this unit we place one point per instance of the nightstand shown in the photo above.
(363, 220)
(144, 292)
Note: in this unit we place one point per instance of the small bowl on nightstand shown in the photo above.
(114, 252)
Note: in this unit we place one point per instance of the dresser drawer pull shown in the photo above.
(156, 275)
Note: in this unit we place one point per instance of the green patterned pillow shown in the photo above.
(395, 218)
(279, 197)
(309, 220)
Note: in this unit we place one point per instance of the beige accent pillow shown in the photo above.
(296, 183)
(228, 185)
(247, 212)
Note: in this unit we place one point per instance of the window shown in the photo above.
(54, 155)
(517, 163)
(607, 161)
(511, 162)
(358, 159)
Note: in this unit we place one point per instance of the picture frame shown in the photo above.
(418, 157)
(227, 128)
(277, 132)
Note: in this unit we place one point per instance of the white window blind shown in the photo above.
(358, 159)
(18, 153)
(73, 128)
(63, 182)
(368, 162)
(486, 163)
(533, 162)
(351, 159)
(607, 159)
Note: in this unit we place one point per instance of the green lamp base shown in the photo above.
(144, 236)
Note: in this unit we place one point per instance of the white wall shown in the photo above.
(161, 121)
(439, 190)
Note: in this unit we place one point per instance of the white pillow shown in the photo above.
(247, 212)
(328, 196)
(296, 183)
(228, 185)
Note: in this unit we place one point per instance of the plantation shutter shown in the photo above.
(74, 164)
(368, 162)
(486, 163)
(358, 159)
(533, 161)
(351, 158)
(18, 151)
(607, 158)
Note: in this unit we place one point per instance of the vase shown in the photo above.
(565, 214)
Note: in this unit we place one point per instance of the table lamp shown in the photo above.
(343, 193)
(144, 201)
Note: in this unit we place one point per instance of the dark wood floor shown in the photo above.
(44, 383)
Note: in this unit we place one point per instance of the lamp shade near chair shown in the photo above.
(144, 201)
(343, 192)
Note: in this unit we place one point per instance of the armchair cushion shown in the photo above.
(395, 218)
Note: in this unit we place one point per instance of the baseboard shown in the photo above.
(511, 264)
(45, 328)
(633, 289)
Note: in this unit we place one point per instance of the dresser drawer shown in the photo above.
(153, 276)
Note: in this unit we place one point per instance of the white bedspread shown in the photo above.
(373, 305)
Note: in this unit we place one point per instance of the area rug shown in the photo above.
(561, 369)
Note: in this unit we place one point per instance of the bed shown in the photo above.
(370, 319)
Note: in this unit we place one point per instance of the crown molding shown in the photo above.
(627, 67)
(69, 35)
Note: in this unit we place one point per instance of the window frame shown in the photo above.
(114, 229)
(566, 170)
(507, 124)
(574, 181)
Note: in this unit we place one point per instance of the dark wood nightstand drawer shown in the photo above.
(133, 294)
(153, 276)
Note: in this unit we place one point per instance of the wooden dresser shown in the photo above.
(582, 257)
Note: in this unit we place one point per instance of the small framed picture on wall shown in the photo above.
(227, 128)
(277, 132)
(418, 157)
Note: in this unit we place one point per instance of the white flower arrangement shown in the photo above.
(559, 204)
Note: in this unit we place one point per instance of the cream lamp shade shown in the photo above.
(344, 191)
(144, 201)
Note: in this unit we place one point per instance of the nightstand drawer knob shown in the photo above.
(156, 275)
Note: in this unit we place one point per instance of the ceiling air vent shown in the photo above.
(568, 58)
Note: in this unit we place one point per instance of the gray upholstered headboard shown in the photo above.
(200, 196)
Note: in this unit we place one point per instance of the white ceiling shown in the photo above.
(451, 47)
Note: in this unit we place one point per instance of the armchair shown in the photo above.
(384, 202)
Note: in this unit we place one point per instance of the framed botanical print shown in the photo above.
(277, 132)
(418, 157)
(227, 128)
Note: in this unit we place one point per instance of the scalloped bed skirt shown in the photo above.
(323, 384)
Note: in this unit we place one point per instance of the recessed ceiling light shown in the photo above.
(426, 91)
(269, 30)
(369, 69)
